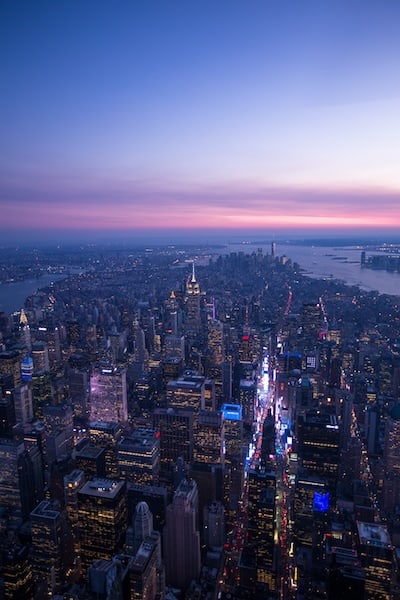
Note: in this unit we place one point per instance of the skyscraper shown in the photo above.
(192, 323)
(51, 549)
(102, 519)
(108, 396)
(181, 536)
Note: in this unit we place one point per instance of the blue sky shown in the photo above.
(159, 115)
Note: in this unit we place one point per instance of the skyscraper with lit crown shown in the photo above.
(192, 323)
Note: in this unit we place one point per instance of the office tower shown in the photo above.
(7, 414)
(25, 331)
(109, 578)
(376, 552)
(172, 315)
(181, 537)
(23, 403)
(208, 438)
(247, 400)
(51, 544)
(172, 368)
(140, 353)
(73, 329)
(187, 392)
(102, 519)
(27, 369)
(310, 497)
(42, 392)
(214, 525)
(51, 336)
(91, 459)
(215, 342)
(106, 435)
(79, 389)
(147, 574)
(174, 347)
(91, 339)
(138, 456)
(108, 397)
(192, 304)
(312, 320)
(209, 394)
(391, 460)
(261, 523)
(143, 571)
(11, 453)
(318, 444)
(176, 438)
(59, 425)
(273, 250)
(17, 574)
(10, 363)
(40, 357)
(142, 527)
(155, 497)
(73, 482)
(234, 460)
(215, 358)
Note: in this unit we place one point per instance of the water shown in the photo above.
(321, 262)
(14, 294)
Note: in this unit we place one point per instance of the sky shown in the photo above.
(216, 116)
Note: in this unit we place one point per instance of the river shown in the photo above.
(13, 294)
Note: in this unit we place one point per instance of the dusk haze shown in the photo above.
(175, 117)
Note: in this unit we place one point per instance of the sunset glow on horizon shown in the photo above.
(172, 116)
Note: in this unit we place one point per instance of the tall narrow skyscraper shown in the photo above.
(192, 323)
(181, 536)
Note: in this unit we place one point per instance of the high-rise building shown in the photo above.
(247, 400)
(319, 444)
(376, 552)
(233, 460)
(40, 357)
(73, 482)
(106, 435)
(91, 459)
(186, 392)
(181, 537)
(261, 525)
(23, 403)
(51, 336)
(208, 438)
(51, 544)
(176, 437)
(17, 574)
(10, 363)
(214, 525)
(391, 460)
(42, 392)
(102, 519)
(147, 577)
(11, 453)
(193, 320)
(138, 456)
(108, 395)
(59, 432)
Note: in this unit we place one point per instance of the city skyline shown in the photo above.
(170, 118)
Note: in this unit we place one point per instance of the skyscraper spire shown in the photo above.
(193, 280)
